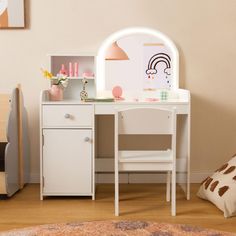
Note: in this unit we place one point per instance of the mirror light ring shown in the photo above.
(100, 65)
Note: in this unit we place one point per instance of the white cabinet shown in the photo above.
(67, 161)
(67, 150)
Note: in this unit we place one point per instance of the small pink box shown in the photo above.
(87, 74)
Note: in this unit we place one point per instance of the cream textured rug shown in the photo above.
(114, 228)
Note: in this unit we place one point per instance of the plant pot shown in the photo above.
(56, 93)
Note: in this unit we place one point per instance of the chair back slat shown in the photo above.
(145, 121)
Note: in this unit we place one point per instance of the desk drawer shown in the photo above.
(67, 115)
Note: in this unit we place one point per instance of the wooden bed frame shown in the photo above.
(14, 143)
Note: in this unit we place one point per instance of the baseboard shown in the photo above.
(196, 177)
(34, 178)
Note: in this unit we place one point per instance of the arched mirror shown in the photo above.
(147, 61)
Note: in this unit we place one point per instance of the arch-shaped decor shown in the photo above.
(100, 70)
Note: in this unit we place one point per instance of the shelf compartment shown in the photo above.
(85, 63)
(76, 78)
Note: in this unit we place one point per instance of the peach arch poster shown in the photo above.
(12, 14)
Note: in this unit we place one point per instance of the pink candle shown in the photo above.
(76, 69)
(71, 74)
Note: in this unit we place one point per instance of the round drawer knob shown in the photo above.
(86, 139)
(67, 116)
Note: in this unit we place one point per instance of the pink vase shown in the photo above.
(56, 93)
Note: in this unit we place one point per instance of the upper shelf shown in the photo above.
(77, 78)
(77, 65)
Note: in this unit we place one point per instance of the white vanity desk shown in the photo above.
(67, 128)
(68, 162)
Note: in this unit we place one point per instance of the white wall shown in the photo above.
(203, 30)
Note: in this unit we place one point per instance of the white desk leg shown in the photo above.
(173, 193)
(183, 160)
(116, 167)
(188, 157)
(93, 156)
(168, 186)
(116, 192)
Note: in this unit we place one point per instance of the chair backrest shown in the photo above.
(146, 121)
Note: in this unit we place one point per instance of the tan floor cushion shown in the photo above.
(220, 188)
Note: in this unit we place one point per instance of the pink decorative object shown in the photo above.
(76, 69)
(63, 70)
(114, 52)
(56, 93)
(117, 92)
(87, 74)
(71, 74)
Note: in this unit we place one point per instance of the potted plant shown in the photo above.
(58, 83)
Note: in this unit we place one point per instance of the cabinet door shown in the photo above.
(67, 161)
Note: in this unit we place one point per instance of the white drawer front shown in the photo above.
(68, 115)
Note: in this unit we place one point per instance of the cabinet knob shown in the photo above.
(67, 116)
(86, 139)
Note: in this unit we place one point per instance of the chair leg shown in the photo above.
(116, 185)
(173, 193)
(116, 192)
(168, 186)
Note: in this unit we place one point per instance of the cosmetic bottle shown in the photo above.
(63, 70)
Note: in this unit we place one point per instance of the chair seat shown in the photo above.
(145, 156)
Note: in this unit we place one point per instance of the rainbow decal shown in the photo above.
(155, 60)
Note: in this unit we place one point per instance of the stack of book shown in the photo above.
(99, 100)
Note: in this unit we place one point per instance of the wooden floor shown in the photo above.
(138, 202)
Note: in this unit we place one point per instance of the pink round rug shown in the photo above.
(115, 228)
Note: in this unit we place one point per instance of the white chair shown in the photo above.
(146, 121)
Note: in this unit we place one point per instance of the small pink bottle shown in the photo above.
(63, 70)
(76, 69)
(71, 74)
